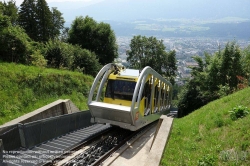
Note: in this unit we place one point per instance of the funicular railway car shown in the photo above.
(132, 98)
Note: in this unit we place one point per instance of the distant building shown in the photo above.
(191, 64)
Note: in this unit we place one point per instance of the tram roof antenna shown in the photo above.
(117, 69)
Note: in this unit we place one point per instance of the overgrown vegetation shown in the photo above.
(26, 88)
(208, 136)
(35, 35)
(239, 112)
(217, 75)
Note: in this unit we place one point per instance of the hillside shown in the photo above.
(208, 136)
(26, 88)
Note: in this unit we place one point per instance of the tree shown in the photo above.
(169, 65)
(58, 23)
(136, 54)
(85, 61)
(151, 52)
(59, 54)
(96, 37)
(216, 76)
(15, 45)
(44, 21)
(245, 61)
(1, 8)
(72, 57)
(10, 9)
(146, 52)
(230, 65)
(4, 22)
(38, 21)
(28, 18)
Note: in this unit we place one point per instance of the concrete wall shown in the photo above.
(56, 108)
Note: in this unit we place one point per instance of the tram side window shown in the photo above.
(110, 89)
(156, 96)
(147, 93)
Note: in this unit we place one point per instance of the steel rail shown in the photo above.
(105, 147)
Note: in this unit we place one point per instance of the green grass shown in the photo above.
(208, 136)
(26, 88)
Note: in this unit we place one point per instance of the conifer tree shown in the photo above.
(44, 21)
(57, 21)
(36, 18)
(28, 19)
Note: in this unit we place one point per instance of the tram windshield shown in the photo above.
(120, 89)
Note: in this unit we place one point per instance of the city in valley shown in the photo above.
(185, 48)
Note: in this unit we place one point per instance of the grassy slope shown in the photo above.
(26, 88)
(208, 135)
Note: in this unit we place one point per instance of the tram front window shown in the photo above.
(120, 89)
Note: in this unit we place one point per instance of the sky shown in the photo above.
(18, 2)
(150, 9)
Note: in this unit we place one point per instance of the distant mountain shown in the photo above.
(127, 10)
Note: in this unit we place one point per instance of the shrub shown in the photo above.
(15, 45)
(206, 160)
(59, 54)
(86, 61)
(239, 112)
(219, 122)
(67, 56)
(37, 59)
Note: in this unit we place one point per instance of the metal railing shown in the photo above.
(34, 133)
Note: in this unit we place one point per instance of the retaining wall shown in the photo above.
(59, 107)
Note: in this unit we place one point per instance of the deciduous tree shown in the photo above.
(169, 66)
(59, 54)
(15, 45)
(10, 9)
(85, 61)
(148, 51)
(72, 57)
(96, 37)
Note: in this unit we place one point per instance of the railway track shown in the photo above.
(99, 150)
(47, 152)
(84, 147)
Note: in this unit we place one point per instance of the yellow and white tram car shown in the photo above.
(132, 98)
